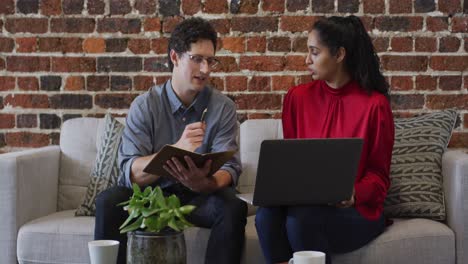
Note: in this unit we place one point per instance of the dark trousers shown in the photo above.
(283, 230)
(221, 211)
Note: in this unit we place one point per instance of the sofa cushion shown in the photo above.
(106, 168)
(416, 178)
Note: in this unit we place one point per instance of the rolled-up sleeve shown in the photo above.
(226, 139)
(136, 138)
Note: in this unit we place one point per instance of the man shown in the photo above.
(171, 114)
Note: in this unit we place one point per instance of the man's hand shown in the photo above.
(192, 137)
(348, 203)
(192, 177)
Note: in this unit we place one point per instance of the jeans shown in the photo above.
(221, 211)
(283, 230)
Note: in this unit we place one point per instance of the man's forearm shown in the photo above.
(138, 176)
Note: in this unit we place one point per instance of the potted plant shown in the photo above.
(155, 227)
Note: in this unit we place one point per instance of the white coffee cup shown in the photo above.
(103, 251)
(308, 257)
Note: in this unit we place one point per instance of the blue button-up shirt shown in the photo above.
(158, 117)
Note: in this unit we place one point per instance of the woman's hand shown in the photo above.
(348, 203)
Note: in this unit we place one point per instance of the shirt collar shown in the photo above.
(199, 104)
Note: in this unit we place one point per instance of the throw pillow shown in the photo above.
(416, 175)
(106, 168)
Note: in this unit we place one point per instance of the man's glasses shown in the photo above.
(212, 62)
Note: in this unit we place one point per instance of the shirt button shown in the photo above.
(183, 119)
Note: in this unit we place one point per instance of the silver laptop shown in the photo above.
(305, 171)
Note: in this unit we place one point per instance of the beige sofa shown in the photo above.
(41, 188)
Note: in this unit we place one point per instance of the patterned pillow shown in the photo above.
(416, 181)
(106, 168)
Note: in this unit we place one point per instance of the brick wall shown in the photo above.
(61, 59)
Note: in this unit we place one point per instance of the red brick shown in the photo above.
(282, 83)
(73, 64)
(154, 64)
(300, 44)
(259, 116)
(466, 44)
(26, 45)
(236, 83)
(256, 44)
(118, 101)
(459, 101)
(374, 6)
(72, 7)
(6, 44)
(27, 139)
(7, 7)
(94, 45)
(450, 6)
(437, 23)
(7, 83)
(120, 7)
(215, 6)
(143, 83)
(273, 6)
(63, 45)
(262, 63)
(30, 25)
(7, 121)
(279, 44)
(404, 63)
(449, 63)
(254, 24)
(402, 44)
(27, 100)
(222, 26)
(121, 83)
(147, 7)
(402, 83)
(139, 46)
(28, 64)
(152, 24)
(426, 82)
(425, 44)
(26, 121)
(368, 22)
(191, 7)
(74, 83)
(72, 25)
(217, 83)
(228, 64)
(234, 44)
(259, 83)
(258, 101)
(71, 101)
(2, 64)
(28, 83)
(162, 79)
(123, 25)
(97, 83)
(398, 23)
(407, 101)
(96, 7)
(458, 140)
(159, 45)
(401, 6)
(381, 44)
(465, 121)
(295, 63)
(297, 23)
(465, 81)
(318, 6)
(119, 64)
(460, 24)
(449, 44)
(348, 6)
(169, 23)
(248, 6)
(423, 6)
(450, 83)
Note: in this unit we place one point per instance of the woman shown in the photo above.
(347, 98)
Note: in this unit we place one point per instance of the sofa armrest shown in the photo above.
(455, 173)
(28, 190)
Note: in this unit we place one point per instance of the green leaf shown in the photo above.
(173, 201)
(134, 226)
(187, 209)
(136, 189)
(147, 191)
(123, 203)
(172, 224)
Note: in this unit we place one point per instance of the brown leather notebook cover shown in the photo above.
(155, 166)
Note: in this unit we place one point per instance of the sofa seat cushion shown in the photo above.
(407, 241)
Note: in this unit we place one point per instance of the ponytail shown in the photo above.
(361, 60)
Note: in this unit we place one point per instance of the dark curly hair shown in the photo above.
(187, 32)
(361, 60)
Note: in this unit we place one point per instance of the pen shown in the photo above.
(202, 119)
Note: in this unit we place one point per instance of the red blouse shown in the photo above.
(315, 110)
